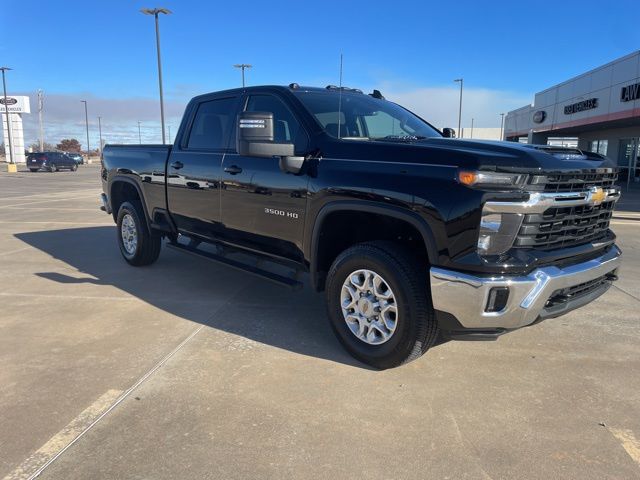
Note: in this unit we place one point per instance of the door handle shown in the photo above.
(177, 165)
(233, 170)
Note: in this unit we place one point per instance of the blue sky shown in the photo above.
(104, 51)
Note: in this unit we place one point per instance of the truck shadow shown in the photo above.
(202, 292)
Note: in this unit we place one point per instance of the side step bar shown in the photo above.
(259, 272)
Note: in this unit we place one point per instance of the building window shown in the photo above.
(599, 146)
(570, 142)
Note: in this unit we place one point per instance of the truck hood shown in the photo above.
(471, 154)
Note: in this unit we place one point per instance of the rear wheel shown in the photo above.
(53, 168)
(379, 304)
(137, 244)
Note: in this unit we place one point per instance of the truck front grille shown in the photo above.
(575, 182)
(564, 227)
(561, 227)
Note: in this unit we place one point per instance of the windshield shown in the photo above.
(358, 116)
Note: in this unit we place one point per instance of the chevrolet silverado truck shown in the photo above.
(414, 236)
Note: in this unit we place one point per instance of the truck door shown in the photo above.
(262, 205)
(195, 165)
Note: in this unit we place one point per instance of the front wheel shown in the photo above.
(74, 168)
(379, 304)
(137, 244)
(53, 168)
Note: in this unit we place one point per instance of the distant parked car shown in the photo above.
(50, 161)
(78, 158)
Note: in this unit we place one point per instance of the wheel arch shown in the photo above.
(314, 244)
(120, 189)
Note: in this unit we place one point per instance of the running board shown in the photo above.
(259, 272)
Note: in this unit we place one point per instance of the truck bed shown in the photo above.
(145, 165)
(144, 154)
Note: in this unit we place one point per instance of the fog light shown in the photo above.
(497, 301)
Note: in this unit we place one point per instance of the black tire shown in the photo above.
(148, 245)
(416, 328)
(33, 169)
(74, 168)
(53, 168)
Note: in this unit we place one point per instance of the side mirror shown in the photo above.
(256, 139)
(448, 133)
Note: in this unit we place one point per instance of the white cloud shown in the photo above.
(64, 118)
(64, 114)
(439, 105)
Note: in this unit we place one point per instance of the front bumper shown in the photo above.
(465, 297)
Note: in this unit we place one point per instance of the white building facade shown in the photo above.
(601, 108)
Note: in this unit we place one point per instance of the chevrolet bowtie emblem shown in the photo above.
(597, 195)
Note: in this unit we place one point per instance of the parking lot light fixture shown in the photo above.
(139, 134)
(461, 81)
(502, 126)
(243, 66)
(155, 12)
(86, 121)
(6, 109)
(100, 133)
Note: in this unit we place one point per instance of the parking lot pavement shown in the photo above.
(192, 370)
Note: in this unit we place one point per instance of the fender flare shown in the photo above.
(143, 200)
(369, 207)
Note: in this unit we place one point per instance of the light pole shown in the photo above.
(86, 121)
(472, 128)
(6, 109)
(139, 134)
(460, 107)
(501, 126)
(100, 133)
(40, 110)
(155, 12)
(169, 127)
(243, 66)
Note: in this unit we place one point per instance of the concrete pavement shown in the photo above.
(190, 370)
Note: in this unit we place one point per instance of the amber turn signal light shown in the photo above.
(467, 178)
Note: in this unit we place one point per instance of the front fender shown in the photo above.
(312, 240)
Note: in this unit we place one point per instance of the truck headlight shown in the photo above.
(497, 232)
(492, 180)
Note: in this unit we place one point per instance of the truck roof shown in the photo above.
(283, 88)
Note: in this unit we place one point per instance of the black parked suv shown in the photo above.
(75, 156)
(50, 161)
(412, 236)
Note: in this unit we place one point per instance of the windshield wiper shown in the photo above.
(400, 138)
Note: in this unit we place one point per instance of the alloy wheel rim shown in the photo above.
(369, 307)
(129, 234)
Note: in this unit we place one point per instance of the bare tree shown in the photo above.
(69, 145)
(47, 147)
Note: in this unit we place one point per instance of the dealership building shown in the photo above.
(597, 111)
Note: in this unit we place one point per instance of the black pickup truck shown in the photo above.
(412, 236)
